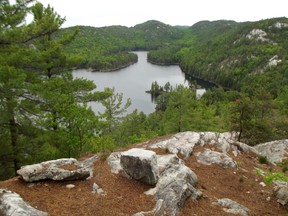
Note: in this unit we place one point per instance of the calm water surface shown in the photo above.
(134, 80)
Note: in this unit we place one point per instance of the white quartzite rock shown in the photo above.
(212, 157)
(232, 207)
(185, 142)
(181, 142)
(159, 210)
(281, 192)
(275, 151)
(141, 165)
(175, 185)
(114, 162)
(53, 170)
(13, 205)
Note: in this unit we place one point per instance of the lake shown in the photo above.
(134, 80)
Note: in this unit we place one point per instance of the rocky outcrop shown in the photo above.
(174, 181)
(182, 143)
(58, 170)
(232, 207)
(175, 186)
(275, 151)
(159, 210)
(185, 142)
(212, 157)
(141, 165)
(114, 162)
(281, 192)
(13, 205)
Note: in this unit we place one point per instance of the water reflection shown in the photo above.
(134, 80)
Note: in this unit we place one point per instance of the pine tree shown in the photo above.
(42, 107)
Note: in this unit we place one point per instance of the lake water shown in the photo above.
(134, 80)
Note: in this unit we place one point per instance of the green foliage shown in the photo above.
(45, 113)
(114, 110)
(270, 177)
(263, 160)
(178, 110)
(165, 56)
(106, 48)
(100, 144)
(278, 176)
(226, 53)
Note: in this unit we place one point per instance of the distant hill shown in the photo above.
(106, 48)
(224, 52)
(230, 54)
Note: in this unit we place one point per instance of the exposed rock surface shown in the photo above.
(141, 165)
(281, 25)
(281, 192)
(175, 185)
(275, 151)
(174, 180)
(212, 157)
(185, 142)
(232, 207)
(13, 205)
(159, 210)
(59, 170)
(114, 162)
(182, 142)
(257, 34)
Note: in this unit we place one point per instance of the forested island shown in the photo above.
(45, 113)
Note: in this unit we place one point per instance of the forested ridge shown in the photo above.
(45, 112)
(108, 48)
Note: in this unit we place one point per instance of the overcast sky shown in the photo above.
(100, 13)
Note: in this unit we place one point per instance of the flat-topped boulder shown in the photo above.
(141, 165)
(58, 170)
(13, 205)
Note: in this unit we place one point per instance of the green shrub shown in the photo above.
(278, 176)
(263, 160)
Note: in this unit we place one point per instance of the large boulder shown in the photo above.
(13, 205)
(59, 170)
(175, 185)
(275, 151)
(141, 165)
(209, 157)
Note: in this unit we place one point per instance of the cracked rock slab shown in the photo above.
(58, 170)
(232, 207)
(209, 157)
(13, 205)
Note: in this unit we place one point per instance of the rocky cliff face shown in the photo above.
(188, 173)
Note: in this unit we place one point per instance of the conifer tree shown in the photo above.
(37, 91)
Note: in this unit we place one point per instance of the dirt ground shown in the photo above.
(126, 196)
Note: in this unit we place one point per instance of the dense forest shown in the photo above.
(45, 113)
